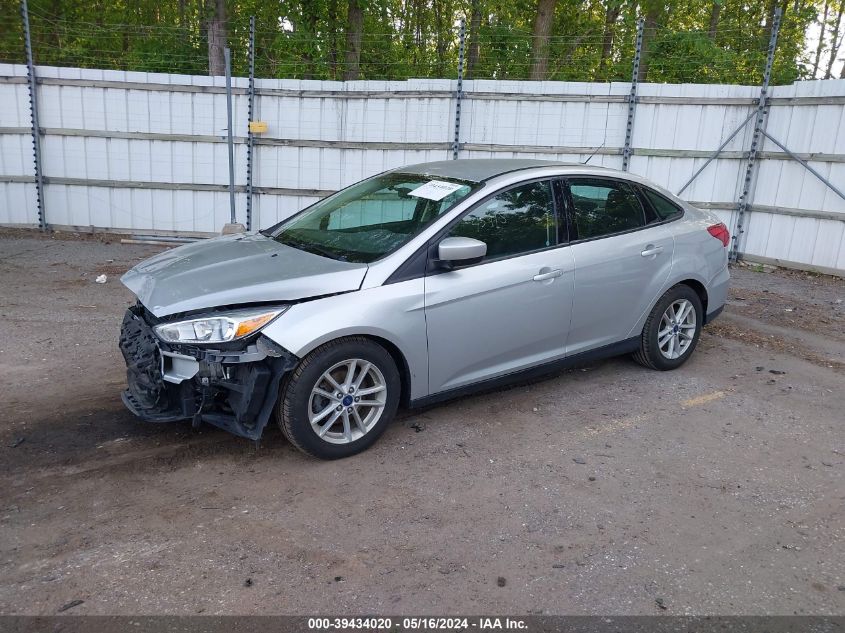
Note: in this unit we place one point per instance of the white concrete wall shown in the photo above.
(146, 152)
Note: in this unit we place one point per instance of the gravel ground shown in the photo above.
(607, 489)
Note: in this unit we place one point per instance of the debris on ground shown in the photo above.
(579, 460)
(101, 279)
(501, 581)
(17, 442)
(70, 605)
(248, 582)
(659, 602)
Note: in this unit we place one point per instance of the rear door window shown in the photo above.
(603, 207)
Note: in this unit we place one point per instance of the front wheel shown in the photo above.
(672, 329)
(340, 398)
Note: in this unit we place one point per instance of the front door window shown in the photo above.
(519, 220)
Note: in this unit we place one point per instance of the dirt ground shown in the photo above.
(609, 489)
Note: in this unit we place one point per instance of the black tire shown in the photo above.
(649, 354)
(292, 411)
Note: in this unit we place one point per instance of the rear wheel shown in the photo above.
(672, 329)
(340, 398)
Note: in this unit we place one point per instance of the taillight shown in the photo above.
(720, 232)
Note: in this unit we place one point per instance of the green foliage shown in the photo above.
(418, 38)
(691, 58)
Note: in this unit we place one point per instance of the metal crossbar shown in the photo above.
(806, 165)
(716, 154)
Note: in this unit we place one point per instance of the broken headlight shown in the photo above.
(218, 328)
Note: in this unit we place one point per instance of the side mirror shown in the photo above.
(454, 251)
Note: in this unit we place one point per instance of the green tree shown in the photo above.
(583, 40)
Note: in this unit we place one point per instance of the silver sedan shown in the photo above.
(414, 286)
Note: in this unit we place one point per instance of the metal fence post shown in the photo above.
(459, 92)
(33, 108)
(632, 96)
(227, 56)
(250, 139)
(759, 124)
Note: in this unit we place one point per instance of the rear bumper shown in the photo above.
(710, 316)
(234, 389)
(717, 294)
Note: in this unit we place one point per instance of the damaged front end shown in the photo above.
(234, 387)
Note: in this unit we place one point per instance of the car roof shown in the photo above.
(481, 169)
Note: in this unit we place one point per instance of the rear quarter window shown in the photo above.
(663, 208)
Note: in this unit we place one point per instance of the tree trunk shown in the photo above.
(310, 21)
(611, 14)
(715, 10)
(835, 42)
(418, 29)
(654, 11)
(354, 30)
(55, 33)
(572, 48)
(542, 30)
(822, 31)
(333, 41)
(217, 38)
(770, 20)
(474, 49)
(439, 39)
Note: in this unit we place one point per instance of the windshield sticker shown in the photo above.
(435, 190)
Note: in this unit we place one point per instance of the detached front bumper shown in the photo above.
(234, 389)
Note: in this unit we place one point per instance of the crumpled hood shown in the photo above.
(236, 269)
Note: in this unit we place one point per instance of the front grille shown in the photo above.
(139, 347)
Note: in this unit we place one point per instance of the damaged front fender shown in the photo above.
(233, 389)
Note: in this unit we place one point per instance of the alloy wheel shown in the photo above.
(677, 329)
(347, 401)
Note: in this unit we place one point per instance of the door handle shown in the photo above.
(651, 250)
(549, 275)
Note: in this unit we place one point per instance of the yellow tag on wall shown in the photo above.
(258, 127)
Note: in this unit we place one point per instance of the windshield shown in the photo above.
(372, 218)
